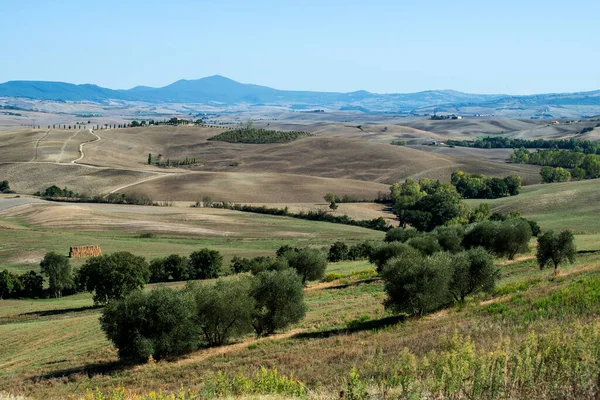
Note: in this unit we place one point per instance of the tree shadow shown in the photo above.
(587, 251)
(350, 284)
(355, 327)
(60, 311)
(100, 368)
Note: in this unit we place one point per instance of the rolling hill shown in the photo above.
(220, 90)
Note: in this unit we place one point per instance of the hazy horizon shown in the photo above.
(385, 47)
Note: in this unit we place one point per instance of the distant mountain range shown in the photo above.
(220, 90)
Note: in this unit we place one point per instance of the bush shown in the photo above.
(258, 264)
(332, 276)
(400, 234)
(425, 244)
(205, 264)
(223, 309)
(556, 249)
(310, 264)
(279, 297)
(360, 251)
(157, 324)
(113, 276)
(338, 252)
(386, 251)
(417, 285)
(473, 271)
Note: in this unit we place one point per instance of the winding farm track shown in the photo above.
(81, 153)
(37, 145)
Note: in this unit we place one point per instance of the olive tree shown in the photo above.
(384, 252)
(556, 249)
(417, 285)
(309, 263)
(472, 271)
(279, 301)
(158, 324)
(223, 309)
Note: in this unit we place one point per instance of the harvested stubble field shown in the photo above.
(340, 158)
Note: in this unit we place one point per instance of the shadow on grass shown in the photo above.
(356, 327)
(61, 311)
(100, 368)
(350, 284)
(587, 251)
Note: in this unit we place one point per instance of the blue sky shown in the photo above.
(515, 47)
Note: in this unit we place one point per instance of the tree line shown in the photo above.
(313, 215)
(582, 166)
(502, 142)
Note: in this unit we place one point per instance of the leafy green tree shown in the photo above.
(158, 324)
(58, 270)
(330, 198)
(113, 276)
(338, 252)
(310, 264)
(223, 309)
(417, 285)
(513, 183)
(473, 271)
(33, 284)
(578, 173)
(561, 175)
(158, 272)
(205, 264)
(279, 301)
(384, 252)
(556, 249)
(6, 283)
(5, 187)
(547, 174)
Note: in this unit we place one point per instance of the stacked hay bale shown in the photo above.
(85, 251)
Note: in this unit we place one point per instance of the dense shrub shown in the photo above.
(5, 187)
(158, 324)
(417, 285)
(223, 308)
(258, 264)
(425, 244)
(384, 252)
(113, 276)
(360, 251)
(32, 285)
(400, 234)
(556, 249)
(310, 264)
(279, 297)
(450, 237)
(205, 264)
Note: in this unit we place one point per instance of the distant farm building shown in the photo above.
(85, 251)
